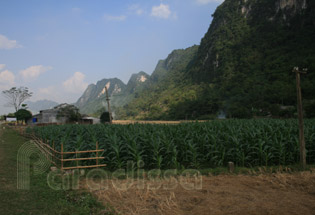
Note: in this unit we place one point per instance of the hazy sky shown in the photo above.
(58, 47)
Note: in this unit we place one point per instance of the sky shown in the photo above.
(57, 48)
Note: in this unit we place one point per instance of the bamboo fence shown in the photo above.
(57, 158)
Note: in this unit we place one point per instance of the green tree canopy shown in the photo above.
(71, 112)
(23, 114)
(105, 117)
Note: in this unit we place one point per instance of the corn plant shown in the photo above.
(248, 143)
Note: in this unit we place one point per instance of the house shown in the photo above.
(10, 119)
(91, 120)
(49, 116)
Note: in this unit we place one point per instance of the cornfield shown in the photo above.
(247, 143)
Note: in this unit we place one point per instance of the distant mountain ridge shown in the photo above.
(242, 68)
(166, 73)
(94, 97)
(39, 105)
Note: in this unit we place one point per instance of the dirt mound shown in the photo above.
(280, 193)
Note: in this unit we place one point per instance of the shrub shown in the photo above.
(105, 117)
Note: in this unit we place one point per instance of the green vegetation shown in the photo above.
(40, 199)
(105, 117)
(23, 115)
(94, 97)
(70, 112)
(247, 143)
(243, 67)
(168, 87)
(252, 75)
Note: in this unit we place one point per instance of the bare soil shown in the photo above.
(278, 193)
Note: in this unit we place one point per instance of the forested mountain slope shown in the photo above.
(243, 66)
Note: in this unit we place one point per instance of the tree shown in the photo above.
(23, 114)
(71, 112)
(16, 96)
(99, 112)
(24, 106)
(105, 117)
(309, 107)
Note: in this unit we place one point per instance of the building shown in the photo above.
(91, 120)
(49, 116)
(10, 119)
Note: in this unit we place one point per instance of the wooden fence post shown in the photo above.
(97, 153)
(54, 153)
(231, 167)
(300, 116)
(76, 156)
(61, 156)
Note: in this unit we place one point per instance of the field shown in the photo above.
(281, 193)
(247, 143)
(40, 199)
(257, 191)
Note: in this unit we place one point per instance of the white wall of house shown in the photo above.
(11, 119)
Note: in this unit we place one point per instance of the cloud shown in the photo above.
(203, 2)
(7, 77)
(2, 66)
(47, 91)
(76, 10)
(50, 93)
(75, 84)
(139, 11)
(136, 9)
(163, 11)
(5, 43)
(108, 17)
(33, 72)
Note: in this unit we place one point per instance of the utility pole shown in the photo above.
(109, 111)
(300, 115)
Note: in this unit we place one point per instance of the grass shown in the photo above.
(258, 170)
(39, 199)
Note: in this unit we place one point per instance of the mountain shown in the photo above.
(39, 105)
(136, 82)
(166, 87)
(249, 52)
(242, 68)
(94, 97)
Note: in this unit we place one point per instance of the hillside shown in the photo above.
(242, 68)
(39, 105)
(166, 87)
(249, 52)
(94, 97)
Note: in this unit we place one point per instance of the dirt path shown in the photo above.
(1, 143)
(280, 193)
